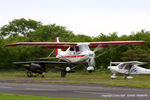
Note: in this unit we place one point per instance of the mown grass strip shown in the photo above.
(5, 96)
(102, 78)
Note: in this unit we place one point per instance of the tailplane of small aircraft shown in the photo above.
(57, 50)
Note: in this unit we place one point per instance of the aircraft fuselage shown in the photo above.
(76, 54)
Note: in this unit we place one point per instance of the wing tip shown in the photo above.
(13, 44)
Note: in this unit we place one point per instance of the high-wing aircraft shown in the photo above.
(127, 68)
(76, 52)
(39, 67)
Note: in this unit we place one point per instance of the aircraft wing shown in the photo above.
(110, 43)
(62, 45)
(44, 62)
(136, 62)
(130, 62)
(65, 45)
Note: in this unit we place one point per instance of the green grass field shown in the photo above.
(4, 96)
(102, 78)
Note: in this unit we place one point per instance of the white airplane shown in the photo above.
(127, 68)
(76, 52)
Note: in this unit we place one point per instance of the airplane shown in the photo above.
(39, 67)
(127, 68)
(76, 53)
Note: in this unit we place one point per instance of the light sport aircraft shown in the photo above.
(127, 68)
(76, 53)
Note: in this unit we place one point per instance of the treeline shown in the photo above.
(28, 30)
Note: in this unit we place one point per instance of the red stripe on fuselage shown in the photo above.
(73, 56)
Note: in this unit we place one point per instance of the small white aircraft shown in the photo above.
(127, 68)
(78, 53)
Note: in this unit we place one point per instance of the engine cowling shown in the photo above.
(35, 68)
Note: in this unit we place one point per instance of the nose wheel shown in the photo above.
(90, 69)
(113, 76)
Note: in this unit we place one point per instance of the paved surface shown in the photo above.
(77, 91)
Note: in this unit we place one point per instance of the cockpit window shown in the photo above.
(128, 66)
(71, 48)
(77, 48)
(74, 48)
(120, 66)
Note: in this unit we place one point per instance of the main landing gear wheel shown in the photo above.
(63, 73)
(29, 74)
(113, 77)
(128, 77)
(43, 75)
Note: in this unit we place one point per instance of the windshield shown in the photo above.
(76, 48)
(120, 66)
(84, 48)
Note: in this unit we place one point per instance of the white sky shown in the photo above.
(89, 17)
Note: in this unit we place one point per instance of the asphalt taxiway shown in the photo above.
(74, 90)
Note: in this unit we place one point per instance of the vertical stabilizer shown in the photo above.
(57, 50)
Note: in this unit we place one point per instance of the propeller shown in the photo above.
(92, 60)
(99, 47)
(92, 56)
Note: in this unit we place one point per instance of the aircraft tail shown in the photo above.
(57, 50)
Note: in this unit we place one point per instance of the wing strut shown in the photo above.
(49, 56)
(107, 51)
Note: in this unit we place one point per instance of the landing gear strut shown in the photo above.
(63, 73)
(113, 76)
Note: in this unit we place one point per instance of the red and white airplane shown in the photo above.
(76, 52)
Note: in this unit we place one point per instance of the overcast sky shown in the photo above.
(89, 17)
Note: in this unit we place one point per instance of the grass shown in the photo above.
(4, 96)
(102, 78)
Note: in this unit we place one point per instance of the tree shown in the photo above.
(136, 55)
(20, 27)
(22, 30)
(50, 32)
